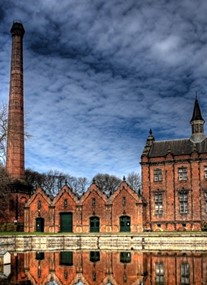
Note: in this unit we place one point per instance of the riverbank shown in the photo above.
(153, 241)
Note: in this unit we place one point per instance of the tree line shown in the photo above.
(54, 180)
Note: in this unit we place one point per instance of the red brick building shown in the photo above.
(94, 212)
(174, 180)
(108, 267)
(71, 267)
(175, 268)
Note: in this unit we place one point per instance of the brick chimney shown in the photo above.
(15, 135)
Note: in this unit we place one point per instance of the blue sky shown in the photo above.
(99, 74)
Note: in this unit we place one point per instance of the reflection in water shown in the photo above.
(107, 268)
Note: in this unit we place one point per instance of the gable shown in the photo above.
(64, 193)
(125, 189)
(94, 191)
(38, 194)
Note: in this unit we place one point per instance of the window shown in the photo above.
(183, 200)
(182, 173)
(157, 175)
(66, 258)
(94, 256)
(159, 271)
(158, 204)
(93, 202)
(39, 204)
(40, 255)
(125, 257)
(185, 274)
(65, 204)
(124, 201)
(94, 224)
(125, 223)
(205, 172)
(205, 197)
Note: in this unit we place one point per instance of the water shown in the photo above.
(105, 267)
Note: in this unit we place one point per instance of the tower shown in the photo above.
(15, 136)
(197, 124)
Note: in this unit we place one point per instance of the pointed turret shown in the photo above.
(149, 142)
(197, 123)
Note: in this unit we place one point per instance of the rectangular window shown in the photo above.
(158, 204)
(124, 201)
(65, 204)
(185, 274)
(183, 200)
(205, 197)
(93, 202)
(159, 270)
(157, 175)
(182, 173)
(205, 172)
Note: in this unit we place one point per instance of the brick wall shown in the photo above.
(170, 187)
(93, 204)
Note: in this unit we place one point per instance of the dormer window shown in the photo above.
(182, 173)
(157, 175)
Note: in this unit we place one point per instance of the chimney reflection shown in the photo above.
(108, 268)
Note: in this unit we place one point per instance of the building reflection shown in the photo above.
(108, 268)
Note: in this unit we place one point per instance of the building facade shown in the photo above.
(174, 180)
(108, 267)
(93, 212)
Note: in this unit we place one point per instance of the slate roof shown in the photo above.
(176, 147)
(197, 112)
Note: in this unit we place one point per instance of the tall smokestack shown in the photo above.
(15, 135)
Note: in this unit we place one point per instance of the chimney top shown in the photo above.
(17, 29)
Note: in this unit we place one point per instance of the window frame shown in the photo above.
(205, 197)
(159, 273)
(185, 273)
(158, 175)
(205, 172)
(158, 203)
(182, 173)
(183, 202)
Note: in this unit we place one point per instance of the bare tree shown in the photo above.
(79, 184)
(107, 183)
(134, 181)
(4, 194)
(3, 133)
(54, 180)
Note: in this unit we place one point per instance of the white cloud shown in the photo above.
(99, 75)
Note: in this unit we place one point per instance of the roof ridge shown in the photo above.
(172, 140)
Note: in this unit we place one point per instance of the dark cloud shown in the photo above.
(100, 74)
